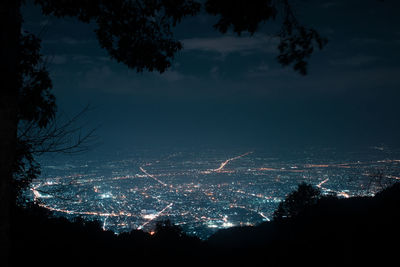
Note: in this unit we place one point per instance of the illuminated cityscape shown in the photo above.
(202, 191)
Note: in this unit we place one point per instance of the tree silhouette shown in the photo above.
(38, 129)
(36, 107)
(137, 33)
(296, 201)
(296, 40)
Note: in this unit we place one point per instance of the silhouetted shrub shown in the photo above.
(295, 202)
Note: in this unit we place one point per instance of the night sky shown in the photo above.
(229, 91)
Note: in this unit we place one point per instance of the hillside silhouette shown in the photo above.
(329, 232)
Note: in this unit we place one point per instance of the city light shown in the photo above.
(202, 195)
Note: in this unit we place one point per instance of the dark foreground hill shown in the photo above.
(357, 231)
(332, 232)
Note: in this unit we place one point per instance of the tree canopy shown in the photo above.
(140, 33)
(298, 200)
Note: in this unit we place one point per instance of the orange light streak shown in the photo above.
(318, 166)
(223, 164)
(266, 169)
(321, 183)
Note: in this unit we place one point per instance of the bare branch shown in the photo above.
(66, 137)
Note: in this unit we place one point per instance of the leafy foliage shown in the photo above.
(241, 15)
(297, 41)
(136, 33)
(294, 203)
(36, 102)
(36, 108)
(38, 130)
(139, 33)
(166, 227)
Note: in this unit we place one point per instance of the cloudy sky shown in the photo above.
(224, 90)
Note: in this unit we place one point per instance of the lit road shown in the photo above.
(155, 216)
(223, 164)
(152, 176)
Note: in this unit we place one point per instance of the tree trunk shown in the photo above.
(10, 27)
